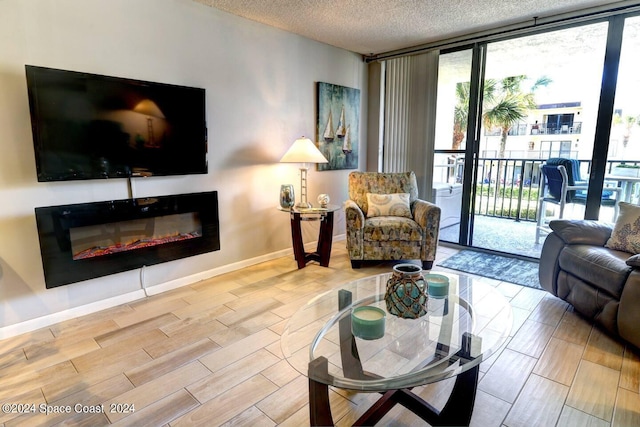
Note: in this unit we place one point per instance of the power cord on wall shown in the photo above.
(131, 190)
(142, 286)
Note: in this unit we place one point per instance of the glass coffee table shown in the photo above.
(458, 332)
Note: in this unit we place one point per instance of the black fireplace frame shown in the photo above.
(55, 222)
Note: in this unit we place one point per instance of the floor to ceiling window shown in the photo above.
(624, 140)
(454, 74)
(540, 99)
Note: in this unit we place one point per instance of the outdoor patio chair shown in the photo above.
(560, 184)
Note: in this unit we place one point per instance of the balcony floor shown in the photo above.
(500, 234)
(511, 236)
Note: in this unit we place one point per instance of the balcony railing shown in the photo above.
(538, 129)
(509, 188)
(554, 129)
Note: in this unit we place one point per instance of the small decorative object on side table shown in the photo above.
(323, 200)
(287, 196)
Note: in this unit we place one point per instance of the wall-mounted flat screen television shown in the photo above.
(89, 126)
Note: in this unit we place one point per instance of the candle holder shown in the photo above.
(437, 285)
(368, 322)
(406, 294)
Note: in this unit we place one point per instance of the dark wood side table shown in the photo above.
(325, 237)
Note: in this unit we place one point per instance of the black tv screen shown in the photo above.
(89, 126)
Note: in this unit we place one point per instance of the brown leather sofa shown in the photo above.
(601, 283)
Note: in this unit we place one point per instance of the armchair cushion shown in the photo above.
(626, 232)
(391, 228)
(396, 204)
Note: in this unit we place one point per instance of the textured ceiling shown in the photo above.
(376, 26)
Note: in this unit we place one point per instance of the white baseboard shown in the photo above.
(207, 274)
(61, 316)
(51, 319)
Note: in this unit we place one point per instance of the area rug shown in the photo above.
(498, 267)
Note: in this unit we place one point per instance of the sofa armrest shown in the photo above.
(634, 261)
(427, 215)
(581, 232)
(355, 230)
(354, 215)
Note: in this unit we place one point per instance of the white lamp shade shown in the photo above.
(303, 150)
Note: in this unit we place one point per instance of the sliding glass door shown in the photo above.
(451, 142)
(537, 97)
(623, 166)
(541, 98)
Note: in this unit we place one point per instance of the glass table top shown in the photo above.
(411, 352)
(311, 210)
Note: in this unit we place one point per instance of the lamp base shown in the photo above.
(303, 205)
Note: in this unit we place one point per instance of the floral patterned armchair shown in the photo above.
(385, 220)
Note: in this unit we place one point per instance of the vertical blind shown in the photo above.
(409, 117)
(396, 114)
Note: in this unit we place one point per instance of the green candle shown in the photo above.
(437, 284)
(368, 322)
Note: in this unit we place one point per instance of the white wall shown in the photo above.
(260, 85)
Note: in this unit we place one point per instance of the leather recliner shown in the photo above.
(600, 283)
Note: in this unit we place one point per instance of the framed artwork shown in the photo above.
(338, 126)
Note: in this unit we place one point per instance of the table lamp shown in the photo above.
(303, 151)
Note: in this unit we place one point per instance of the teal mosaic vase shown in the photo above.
(406, 294)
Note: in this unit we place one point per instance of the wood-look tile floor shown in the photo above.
(209, 354)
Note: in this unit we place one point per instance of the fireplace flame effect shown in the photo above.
(137, 244)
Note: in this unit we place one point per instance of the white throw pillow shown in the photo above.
(396, 204)
(626, 232)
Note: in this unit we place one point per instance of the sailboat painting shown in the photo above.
(339, 144)
(341, 129)
(329, 134)
(347, 147)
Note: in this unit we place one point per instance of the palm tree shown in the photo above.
(504, 104)
(509, 105)
(461, 109)
(460, 114)
(628, 122)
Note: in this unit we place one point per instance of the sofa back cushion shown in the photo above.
(626, 232)
(396, 204)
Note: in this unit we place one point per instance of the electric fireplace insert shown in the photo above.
(84, 241)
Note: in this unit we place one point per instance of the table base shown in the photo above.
(323, 251)
(456, 412)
